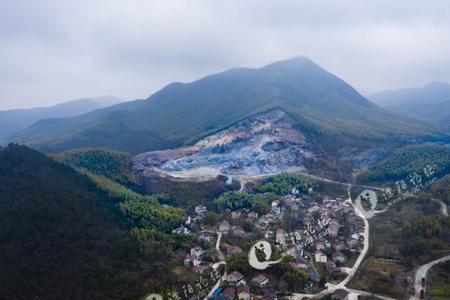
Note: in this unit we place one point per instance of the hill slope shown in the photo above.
(430, 103)
(181, 113)
(418, 159)
(13, 121)
(60, 236)
(108, 163)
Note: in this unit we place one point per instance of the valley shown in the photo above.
(224, 150)
(261, 185)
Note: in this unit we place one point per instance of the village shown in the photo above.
(318, 238)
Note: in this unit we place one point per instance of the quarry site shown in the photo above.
(262, 145)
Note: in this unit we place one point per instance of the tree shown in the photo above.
(295, 279)
(238, 262)
(211, 219)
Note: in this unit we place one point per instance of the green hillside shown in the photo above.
(142, 211)
(62, 237)
(407, 160)
(108, 163)
(180, 113)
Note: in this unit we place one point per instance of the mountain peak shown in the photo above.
(299, 61)
(183, 113)
(295, 59)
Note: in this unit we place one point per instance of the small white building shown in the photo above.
(320, 257)
(197, 251)
(280, 236)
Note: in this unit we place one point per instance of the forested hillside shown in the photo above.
(108, 163)
(321, 104)
(416, 158)
(441, 190)
(64, 238)
(141, 210)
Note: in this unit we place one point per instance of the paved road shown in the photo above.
(338, 182)
(219, 252)
(217, 264)
(363, 253)
(330, 288)
(444, 210)
(421, 272)
(246, 179)
(364, 293)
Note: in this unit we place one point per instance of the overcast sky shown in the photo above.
(55, 50)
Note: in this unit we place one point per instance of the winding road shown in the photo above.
(330, 288)
(217, 264)
(421, 272)
(444, 209)
(246, 179)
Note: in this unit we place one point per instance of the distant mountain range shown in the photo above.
(430, 103)
(321, 104)
(15, 120)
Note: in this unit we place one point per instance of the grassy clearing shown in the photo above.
(439, 282)
(380, 276)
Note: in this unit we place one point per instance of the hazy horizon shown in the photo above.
(56, 51)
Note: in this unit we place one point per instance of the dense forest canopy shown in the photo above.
(410, 159)
(441, 189)
(60, 236)
(141, 210)
(283, 184)
(63, 237)
(236, 200)
(109, 163)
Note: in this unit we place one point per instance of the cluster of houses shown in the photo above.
(198, 216)
(194, 260)
(234, 286)
(329, 232)
(326, 232)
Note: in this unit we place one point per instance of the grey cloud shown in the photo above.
(51, 51)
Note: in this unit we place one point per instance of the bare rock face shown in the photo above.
(266, 144)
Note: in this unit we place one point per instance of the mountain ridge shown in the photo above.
(430, 102)
(182, 113)
(13, 121)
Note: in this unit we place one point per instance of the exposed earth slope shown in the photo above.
(261, 145)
